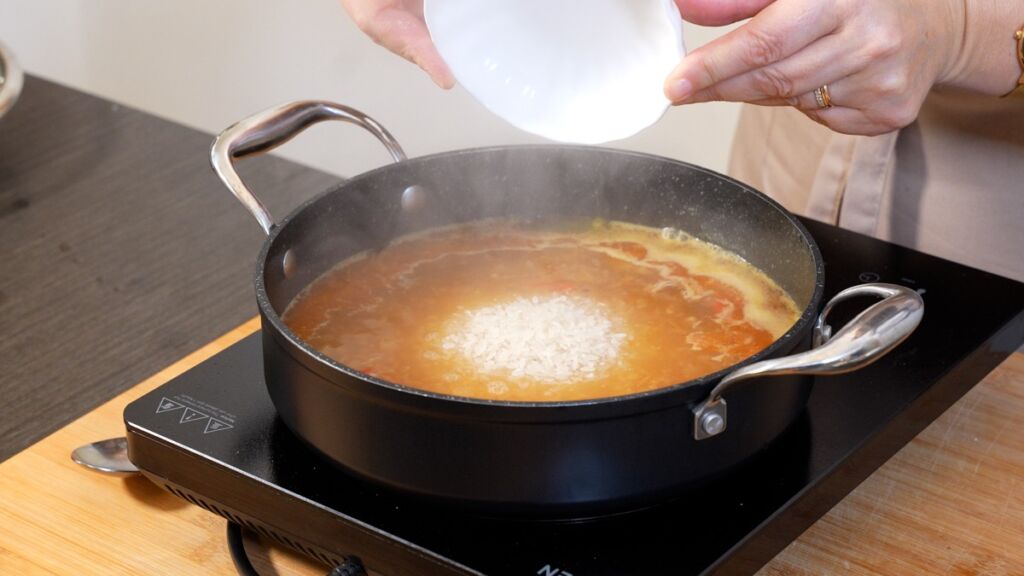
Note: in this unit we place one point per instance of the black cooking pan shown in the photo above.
(562, 458)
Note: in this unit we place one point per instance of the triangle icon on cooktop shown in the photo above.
(168, 405)
(190, 415)
(215, 425)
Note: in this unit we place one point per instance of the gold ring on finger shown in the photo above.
(823, 98)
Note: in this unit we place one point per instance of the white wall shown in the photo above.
(208, 63)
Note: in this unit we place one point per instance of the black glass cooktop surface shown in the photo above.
(212, 437)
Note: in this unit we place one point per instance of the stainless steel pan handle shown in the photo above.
(11, 80)
(866, 338)
(271, 128)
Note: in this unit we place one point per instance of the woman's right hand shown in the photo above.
(398, 25)
(857, 66)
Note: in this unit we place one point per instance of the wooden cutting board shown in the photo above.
(950, 503)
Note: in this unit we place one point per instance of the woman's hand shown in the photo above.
(878, 58)
(398, 26)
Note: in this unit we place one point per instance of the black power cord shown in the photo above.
(237, 549)
(350, 567)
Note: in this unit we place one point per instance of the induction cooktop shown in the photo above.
(212, 437)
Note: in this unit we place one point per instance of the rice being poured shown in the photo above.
(549, 339)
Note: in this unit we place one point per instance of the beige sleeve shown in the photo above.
(951, 184)
(778, 150)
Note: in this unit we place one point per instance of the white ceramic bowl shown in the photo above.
(569, 70)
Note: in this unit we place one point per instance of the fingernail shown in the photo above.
(679, 90)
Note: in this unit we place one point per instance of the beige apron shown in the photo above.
(951, 184)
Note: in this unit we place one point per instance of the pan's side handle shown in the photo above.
(271, 128)
(866, 338)
(11, 80)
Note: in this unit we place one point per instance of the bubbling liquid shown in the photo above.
(502, 311)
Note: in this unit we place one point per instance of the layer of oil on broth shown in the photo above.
(502, 311)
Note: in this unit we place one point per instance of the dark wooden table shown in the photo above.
(120, 251)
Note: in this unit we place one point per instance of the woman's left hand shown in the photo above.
(398, 25)
(878, 58)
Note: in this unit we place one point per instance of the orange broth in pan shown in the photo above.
(498, 310)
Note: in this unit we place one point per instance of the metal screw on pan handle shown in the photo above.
(271, 128)
(866, 338)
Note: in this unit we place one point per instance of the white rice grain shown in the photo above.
(551, 339)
